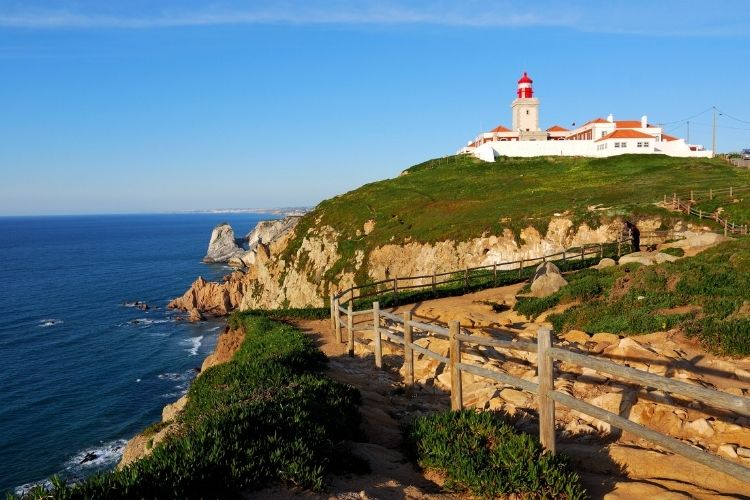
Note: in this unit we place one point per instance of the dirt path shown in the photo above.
(611, 468)
(385, 405)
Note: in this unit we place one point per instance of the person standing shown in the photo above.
(634, 235)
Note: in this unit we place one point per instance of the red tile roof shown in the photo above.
(500, 128)
(595, 120)
(667, 138)
(626, 134)
(628, 123)
(557, 128)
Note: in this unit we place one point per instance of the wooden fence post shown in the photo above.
(350, 343)
(395, 291)
(725, 227)
(466, 278)
(408, 351)
(691, 196)
(378, 338)
(619, 250)
(730, 191)
(520, 268)
(338, 319)
(434, 289)
(700, 214)
(349, 321)
(583, 252)
(546, 385)
(331, 305)
(457, 399)
(674, 200)
(494, 274)
(601, 251)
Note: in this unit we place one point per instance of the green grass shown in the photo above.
(480, 454)
(266, 416)
(707, 296)
(463, 198)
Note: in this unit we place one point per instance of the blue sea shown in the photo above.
(82, 369)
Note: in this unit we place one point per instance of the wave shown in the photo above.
(93, 459)
(46, 323)
(183, 382)
(146, 322)
(215, 328)
(195, 343)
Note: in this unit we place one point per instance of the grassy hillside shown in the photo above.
(462, 197)
(707, 296)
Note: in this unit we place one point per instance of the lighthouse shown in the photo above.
(525, 110)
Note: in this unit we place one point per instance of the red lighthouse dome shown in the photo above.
(525, 91)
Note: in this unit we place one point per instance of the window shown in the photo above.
(640, 145)
(527, 111)
(604, 132)
(617, 144)
(645, 144)
(623, 144)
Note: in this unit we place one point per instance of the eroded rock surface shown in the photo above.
(222, 245)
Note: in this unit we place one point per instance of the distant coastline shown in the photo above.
(284, 211)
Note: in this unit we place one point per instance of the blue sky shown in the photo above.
(158, 105)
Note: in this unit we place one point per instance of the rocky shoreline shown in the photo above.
(143, 443)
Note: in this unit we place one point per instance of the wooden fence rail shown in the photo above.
(682, 206)
(433, 281)
(400, 330)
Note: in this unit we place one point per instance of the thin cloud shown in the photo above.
(623, 17)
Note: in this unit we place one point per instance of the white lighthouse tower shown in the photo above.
(526, 112)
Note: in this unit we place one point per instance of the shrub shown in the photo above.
(489, 458)
(267, 415)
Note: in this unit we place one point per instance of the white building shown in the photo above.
(597, 138)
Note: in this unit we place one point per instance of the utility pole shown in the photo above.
(713, 147)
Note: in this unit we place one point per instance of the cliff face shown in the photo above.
(302, 278)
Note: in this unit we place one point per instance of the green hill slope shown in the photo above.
(461, 197)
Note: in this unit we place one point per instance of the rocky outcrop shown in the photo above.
(260, 239)
(647, 258)
(222, 245)
(547, 280)
(277, 277)
(269, 230)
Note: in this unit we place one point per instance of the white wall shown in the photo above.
(489, 151)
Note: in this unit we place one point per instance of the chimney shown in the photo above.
(610, 118)
(644, 121)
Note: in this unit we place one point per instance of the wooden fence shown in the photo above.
(489, 273)
(681, 205)
(402, 330)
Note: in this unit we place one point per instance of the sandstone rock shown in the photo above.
(515, 397)
(369, 226)
(605, 263)
(547, 280)
(647, 258)
(213, 298)
(631, 353)
(194, 315)
(577, 336)
(614, 402)
(222, 245)
(743, 452)
(700, 427)
(605, 337)
(268, 231)
(728, 450)
(170, 411)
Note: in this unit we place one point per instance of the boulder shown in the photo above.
(605, 337)
(194, 315)
(577, 336)
(647, 258)
(222, 246)
(605, 262)
(547, 280)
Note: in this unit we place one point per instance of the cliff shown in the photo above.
(445, 215)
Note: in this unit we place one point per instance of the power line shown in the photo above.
(688, 118)
(733, 117)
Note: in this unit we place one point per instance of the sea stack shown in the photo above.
(222, 246)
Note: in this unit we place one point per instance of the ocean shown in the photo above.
(82, 369)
